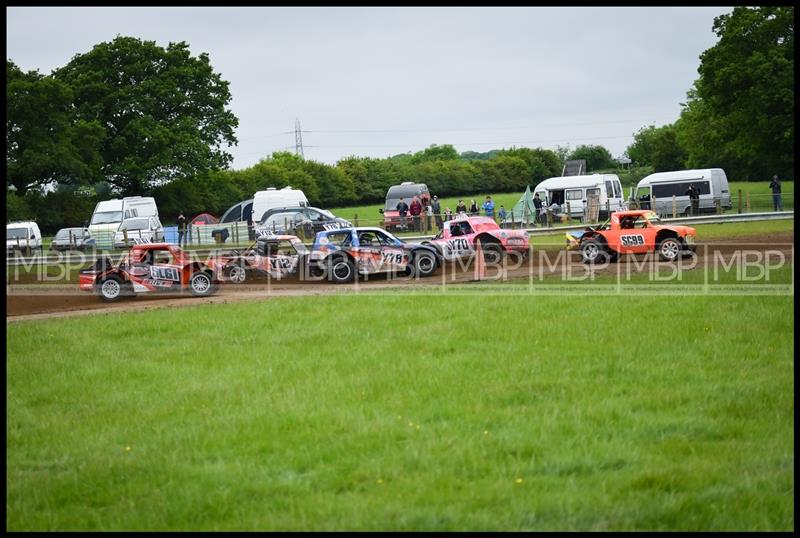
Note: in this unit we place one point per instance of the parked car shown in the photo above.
(458, 236)
(299, 220)
(343, 254)
(70, 238)
(153, 268)
(23, 236)
(276, 256)
(632, 232)
(138, 231)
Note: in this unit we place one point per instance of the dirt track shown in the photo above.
(24, 302)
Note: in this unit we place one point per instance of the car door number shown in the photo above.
(632, 240)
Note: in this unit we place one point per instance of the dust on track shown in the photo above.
(29, 302)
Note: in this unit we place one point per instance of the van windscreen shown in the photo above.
(107, 217)
(16, 233)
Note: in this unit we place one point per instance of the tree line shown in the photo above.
(133, 118)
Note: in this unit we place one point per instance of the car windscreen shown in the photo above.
(16, 233)
(64, 233)
(135, 224)
(107, 217)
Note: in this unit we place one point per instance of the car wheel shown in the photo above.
(236, 274)
(201, 284)
(111, 288)
(424, 263)
(341, 270)
(670, 249)
(593, 251)
(492, 253)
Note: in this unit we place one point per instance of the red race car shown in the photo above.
(457, 239)
(275, 256)
(149, 268)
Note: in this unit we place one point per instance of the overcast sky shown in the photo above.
(382, 81)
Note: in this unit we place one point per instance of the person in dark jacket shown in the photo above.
(402, 209)
(461, 207)
(437, 211)
(777, 201)
(181, 229)
(537, 206)
(473, 209)
(694, 197)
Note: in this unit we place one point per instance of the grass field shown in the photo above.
(404, 412)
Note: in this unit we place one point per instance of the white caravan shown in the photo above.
(711, 182)
(575, 189)
(272, 197)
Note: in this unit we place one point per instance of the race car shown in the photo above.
(343, 254)
(151, 268)
(275, 256)
(632, 232)
(458, 236)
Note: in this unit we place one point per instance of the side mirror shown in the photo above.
(380, 211)
(33, 237)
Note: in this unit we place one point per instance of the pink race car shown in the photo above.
(457, 239)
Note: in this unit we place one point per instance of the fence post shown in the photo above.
(608, 208)
(740, 200)
(124, 237)
(718, 205)
(355, 220)
(674, 207)
(236, 232)
(747, 202)
(569, 214)
(549, 217)
(654, 205)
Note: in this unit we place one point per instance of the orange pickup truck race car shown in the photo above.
(632, 232)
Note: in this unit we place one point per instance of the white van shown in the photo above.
(272, 197)
(711, 182)
(109, 214)
(575, 189)
(23, 235)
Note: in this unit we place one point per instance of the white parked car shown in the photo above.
(139, 230)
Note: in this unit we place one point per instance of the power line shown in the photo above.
(543, 126)
(498, 143)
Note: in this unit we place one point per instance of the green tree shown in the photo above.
(435, 152)
(162, 109)
(740, 112)
(657, 147)
(45, 142)
(596, 157)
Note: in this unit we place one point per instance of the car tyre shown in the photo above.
(112, 288)
(423, 264)
(670, 249)
(201, 284)
(341, 269)
(236, 274)
(492, 253)
(594, 251)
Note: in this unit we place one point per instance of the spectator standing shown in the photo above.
(488, 207)
(461, 207)
(537, 207)
(402, 210)
(181, 229)
(694, 197)
(501, 214)
(473, 208)
(415, 209)
(448, 215)
(437, 211)
(777, 201)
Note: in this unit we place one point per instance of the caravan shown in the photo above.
(109, 214)
(662, 186)
(272, 197)
(574, 190)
